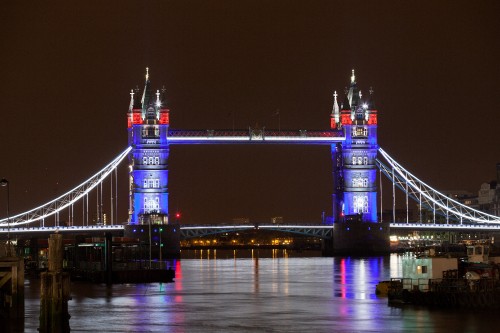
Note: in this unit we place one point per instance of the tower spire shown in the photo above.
(335, 111)
(131, 106)
(146, 94)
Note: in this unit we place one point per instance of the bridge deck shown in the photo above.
(255, 136)
(189, 231)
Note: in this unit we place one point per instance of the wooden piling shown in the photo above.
(55, 291)
(12, 287)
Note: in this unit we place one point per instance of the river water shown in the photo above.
(257, 291)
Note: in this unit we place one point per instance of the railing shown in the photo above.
(255, 132)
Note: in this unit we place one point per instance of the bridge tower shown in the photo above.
(148, 122)
(355, 174)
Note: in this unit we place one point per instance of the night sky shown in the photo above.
(66, 72)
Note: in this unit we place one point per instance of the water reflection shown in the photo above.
(354, 276)
(256, 291)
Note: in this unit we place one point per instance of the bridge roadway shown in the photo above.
(192, 231)
(255, 136)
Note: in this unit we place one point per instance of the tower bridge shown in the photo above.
(351, 135)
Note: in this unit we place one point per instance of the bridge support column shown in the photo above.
(55, 291)
(327, 247)
(361, 238)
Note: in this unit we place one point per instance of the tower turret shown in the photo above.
(345, 112)
(370, 109)
(148, 133)
(357, 229)
(164, 111)
(335, 116)
(359, 152)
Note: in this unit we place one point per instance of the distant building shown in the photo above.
(464, 197)
(489, 198)
(277, 220)
(241, 220)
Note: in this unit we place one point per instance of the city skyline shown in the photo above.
(68, 73)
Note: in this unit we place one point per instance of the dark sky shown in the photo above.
(66, 71)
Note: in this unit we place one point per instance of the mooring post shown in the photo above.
(109, 258)
(55, 291)
(11, 284)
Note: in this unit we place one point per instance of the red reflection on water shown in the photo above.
(178, 280)
(342, 278)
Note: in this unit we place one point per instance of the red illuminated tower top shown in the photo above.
(353, 105)
(150, 108)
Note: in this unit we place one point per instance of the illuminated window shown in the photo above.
(354, 160)
(365, 160)
(360, 204)
(421, 269)
(360, 160)
(151, 204)
(152, 183)
(157, 160)
(145, 160)
(359, 131)
(360, 182)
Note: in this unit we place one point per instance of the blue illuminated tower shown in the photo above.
(358, 118)
(148, 122)
(355, 175)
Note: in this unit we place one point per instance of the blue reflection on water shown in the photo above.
(256, 291)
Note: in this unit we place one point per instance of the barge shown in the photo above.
(471, 282)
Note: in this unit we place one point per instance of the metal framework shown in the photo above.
(55, 206)
(444, 227)
(320, 231)
(252, 136)
(97, 229)
(416, 189)
(430, 198)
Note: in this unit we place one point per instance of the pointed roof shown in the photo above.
(370, 100)
(131, 106)
(353, 94)
(137, 99)
(345, 103)
(146, 94)
(335, 110)
(163, 97)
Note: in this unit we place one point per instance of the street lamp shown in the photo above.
(5, 182)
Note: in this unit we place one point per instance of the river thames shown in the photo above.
(257, 291)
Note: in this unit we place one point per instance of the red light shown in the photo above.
(346, 119)
(164, 117)
(177, 215)
(137, 119)
(372, 120)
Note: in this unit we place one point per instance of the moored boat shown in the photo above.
(449, 282)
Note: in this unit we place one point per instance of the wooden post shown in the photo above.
(55, 291)
(109, 258)
(12, 287)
